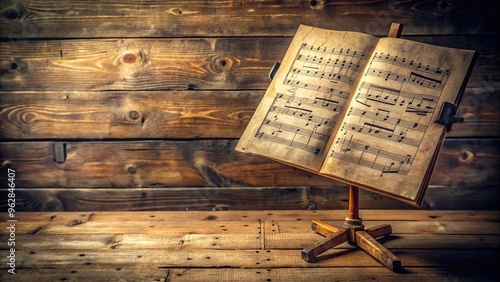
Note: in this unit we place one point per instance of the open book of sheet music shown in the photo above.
(359, 109)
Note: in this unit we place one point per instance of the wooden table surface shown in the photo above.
(244, 246)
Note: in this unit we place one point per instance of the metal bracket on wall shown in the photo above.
(59, 152)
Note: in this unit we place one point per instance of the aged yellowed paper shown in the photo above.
(359, 109)
(300, 109)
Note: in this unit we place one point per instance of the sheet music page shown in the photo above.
(301, 107)
(388, 137)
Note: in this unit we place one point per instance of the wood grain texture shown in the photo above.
(97, 19)
(210, 246)
(240, 198)
(181, 63)
(139, 64)
(195, 163)
(465, 155)
(79, 274)
(254, 215)
(240, 241)
(126, 115)
(324, 274)
(111, 80)
(170, 115)
(463, 162)
(71, 259)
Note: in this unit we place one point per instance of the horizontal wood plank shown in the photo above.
(139, 64)
(240, 241)
(233, 241)
(256, 215)
(236, 227)
(462, 162)
(79, 274)
(183, 63)
(456, 162)
(400, 241)
(400, 227)
(69, 259)
(173, 114)
(130, 115)
(124, 274)
(241, 198)
(94, 19)
(159, 227)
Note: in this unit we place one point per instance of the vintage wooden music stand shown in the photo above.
(352, 230)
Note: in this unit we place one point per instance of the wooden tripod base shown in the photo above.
(353, 232)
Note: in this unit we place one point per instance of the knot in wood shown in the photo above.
(18, 66)
(444, 7)
(221, 64)
(28, 118)
(131, 170)
(129, 58)
(133, 60)
(134, 115)
(316, 4)
(12, 14)
(466, 155)
(177, 11)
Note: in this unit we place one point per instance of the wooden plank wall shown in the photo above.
(148, 99)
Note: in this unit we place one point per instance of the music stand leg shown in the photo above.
(374, 248)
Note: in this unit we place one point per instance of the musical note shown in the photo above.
(412, 78)
(425, 81)
(415, 103)
(394, 60)
(385, 133)
(317, 88)
(386, 118)
(320, 62)
(372, 157)
(282, 124)
(303, 104)
(395, 101)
